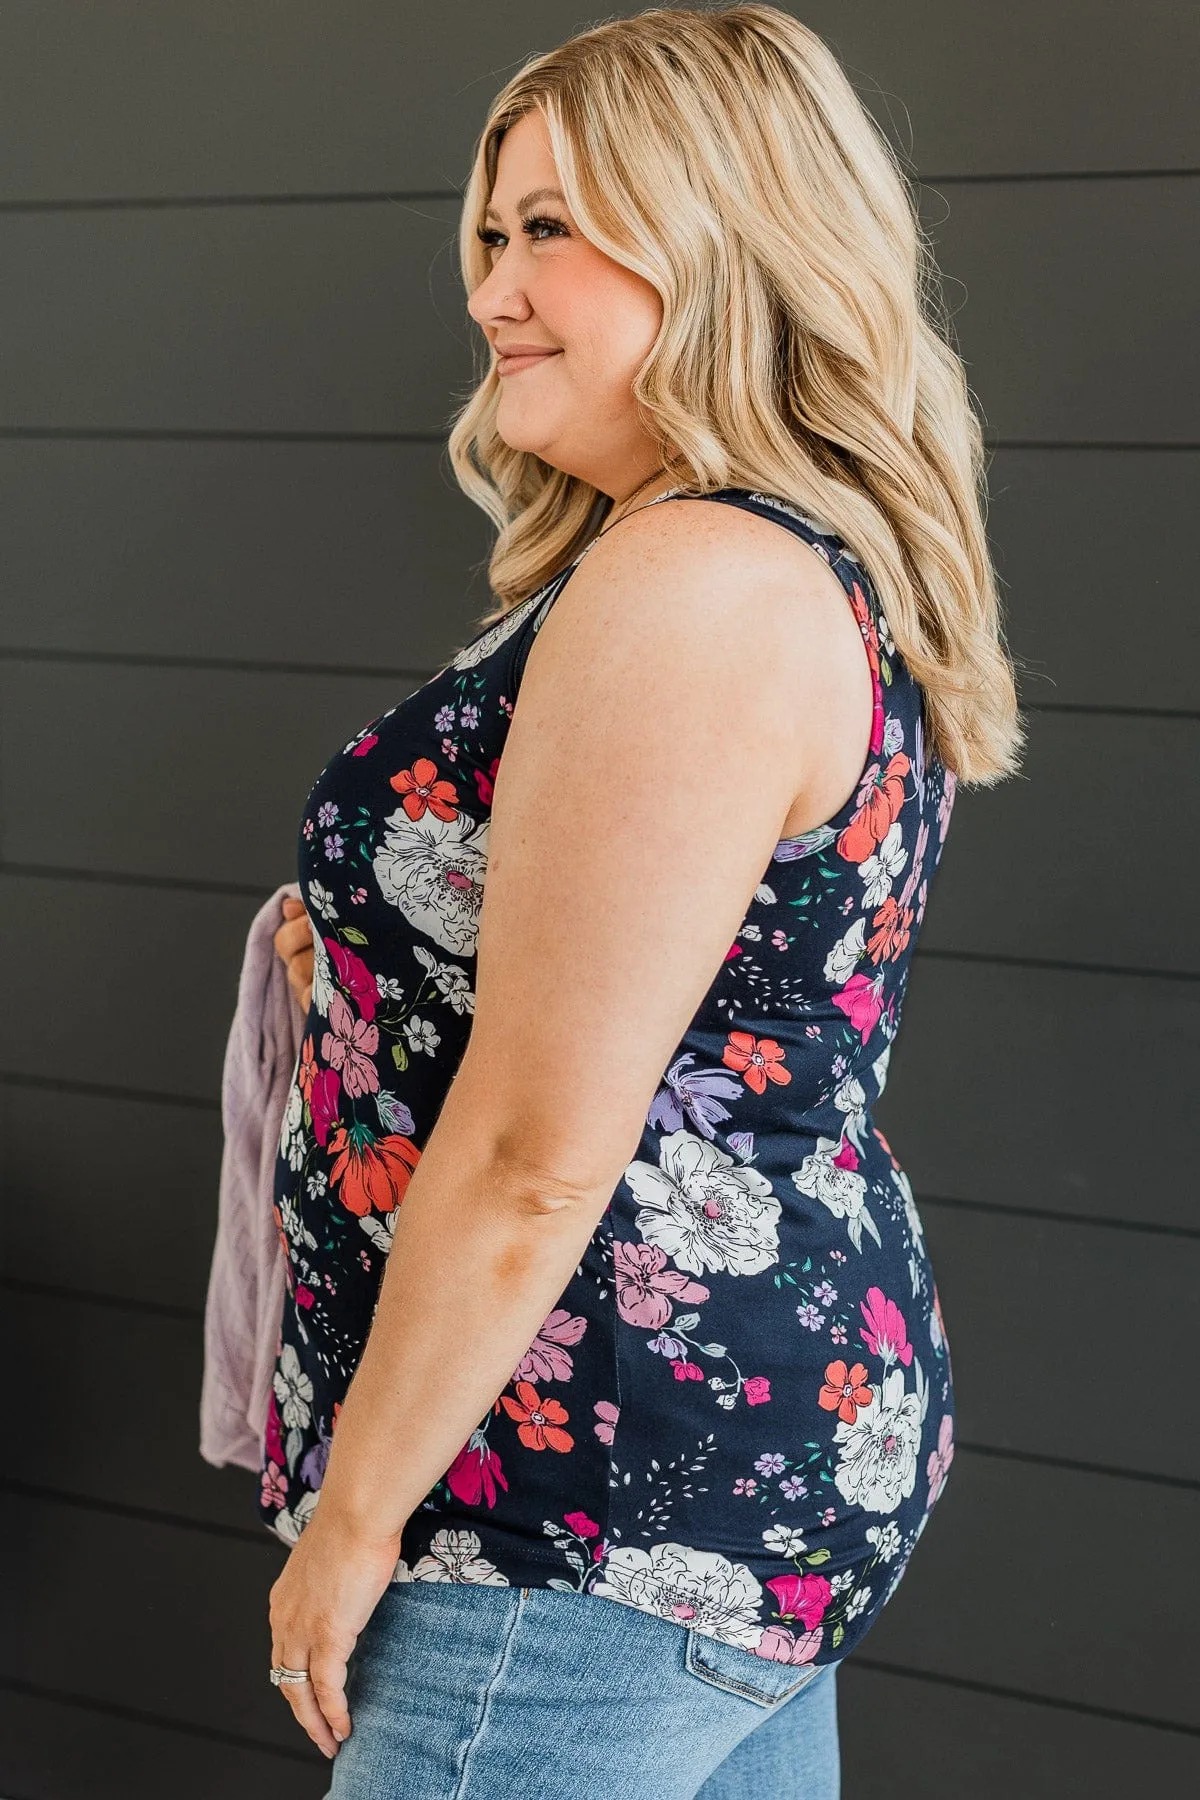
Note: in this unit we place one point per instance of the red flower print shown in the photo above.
(539, 1422)
(374, 1172)
(366, 746)
(757, 1060)
(803, 1597)
(757, 1390)
(891, 931)
(845, 1390)
(420, 791)
(885, 1333)
(485, 782)
(546, 1359)
(308, 1067)
(273, 1435)
(324, 1098)
(647, 1288)
(354, 976)
(304, 1295)
(475, 1472)
(581, 1525)
(878, 806)
(686, 1371)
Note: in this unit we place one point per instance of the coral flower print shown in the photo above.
(420, 788)
(723, 1419)
(845, 1390)
(757, 1060)
(539, 1422)
(703, 1210)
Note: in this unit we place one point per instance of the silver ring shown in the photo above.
(281, 1676)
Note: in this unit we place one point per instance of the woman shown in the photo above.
(658, 1327)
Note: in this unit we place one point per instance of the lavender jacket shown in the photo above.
(246, 1284)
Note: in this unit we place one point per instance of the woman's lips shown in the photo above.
(512, 365)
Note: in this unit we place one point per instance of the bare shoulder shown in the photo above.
(717, 575)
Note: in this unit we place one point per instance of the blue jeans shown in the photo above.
(464, 1692)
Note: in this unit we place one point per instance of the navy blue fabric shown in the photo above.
(739, 1413)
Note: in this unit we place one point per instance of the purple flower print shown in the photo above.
(793, 1488)
(692, 1094)
(327, 814)
(810, 1318)
(824, 1295)
(771, 1463)
(335, 847)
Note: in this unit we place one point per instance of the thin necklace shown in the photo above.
(637, 490)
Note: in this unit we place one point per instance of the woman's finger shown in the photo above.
(301, 1697)
(300, 976)
(295, 935)
(328, 1671)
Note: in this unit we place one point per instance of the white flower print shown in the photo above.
(843, 959)
(857, 1602)
(916, 1229)
(455, 1556)
(880, 870)
(294, 1229)
(886, 1539)
(879, 1069)
(322, 900)
(842, 1190)
(293, 1390)
(878, 1462)
(433, 870)
(323, 989)
(289, 1522)
(839, 1583)
(697, 1588)
(785, 1539)
(850, 1096)
(496, 634)
(291, 1131)
(422, 1035)
(452, 982)
(703, 1210)
(381, 1231)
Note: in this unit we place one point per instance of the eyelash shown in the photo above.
(528, 226)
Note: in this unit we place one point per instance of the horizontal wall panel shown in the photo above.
(109, 1408)
(126, 986)
(358, 555)
(1015, 1583)
(353, 318)
(56, 1751)
(219, 99)
(1095, 551)
(1047, 1088)
(1087, 856)
(1039, 1314)
(129, 1612)
(221, 762)
(957, 1745)
(293, 318)
(368, 554)
(114, 1196)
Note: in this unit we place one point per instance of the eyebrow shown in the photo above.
(529, 199)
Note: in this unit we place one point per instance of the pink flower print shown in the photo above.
(546, 1358)
(365, 745)
(938, 1466)
(581, 1525)
(475, 1473)
(885, 1333)
(348, 1046)
(324, 1098)
(862, 1002)
(778, 1643)
(273, 1436)
(606, 1420)
(304, 1295)
(274, 1485)
(485, 781)
(687, 1371)
(355, 977)
(758, 1390)
(647, 1288)
(803, 1597)
(847, 1156)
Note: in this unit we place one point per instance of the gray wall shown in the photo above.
(231, 337)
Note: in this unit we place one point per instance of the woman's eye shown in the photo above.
(531, 227)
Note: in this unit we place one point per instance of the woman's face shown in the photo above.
(550, 288)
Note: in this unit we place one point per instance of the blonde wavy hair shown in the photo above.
(724, 156)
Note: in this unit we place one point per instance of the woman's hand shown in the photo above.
(293, 946)
(328, 1589)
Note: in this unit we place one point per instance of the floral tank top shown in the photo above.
(739, 1413)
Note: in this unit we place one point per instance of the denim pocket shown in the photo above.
(739, 1671)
